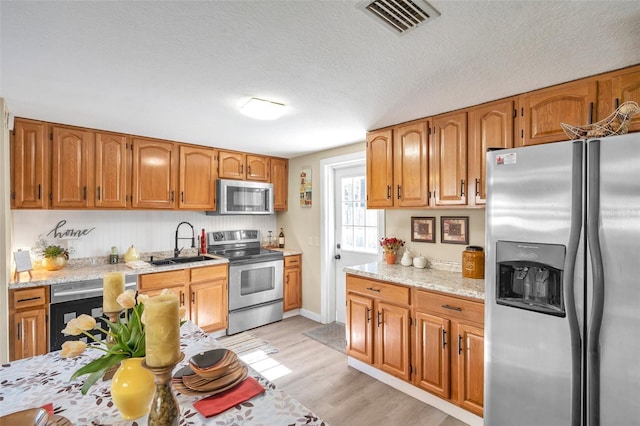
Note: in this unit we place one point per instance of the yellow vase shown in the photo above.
(132, 389)
(54, 263)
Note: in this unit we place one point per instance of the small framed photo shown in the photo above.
(454, 229)
(423, 229)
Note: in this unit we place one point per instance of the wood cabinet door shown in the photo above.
(410, 165)
(433, 343)
(449, 159)
(625, 86)
(292, 289)
(471, 368)
(379, 169)
(209, 305)
(280, 180)
(393, 355)
(231, 165)
(490, 126)
(258, 168)
(30, 330)
(112, 171)
(360, 327)
(29, 165)
(72, 168)
(542, 111)
(198, 176)
(154, 174)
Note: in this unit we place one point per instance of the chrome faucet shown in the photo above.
(176, 251)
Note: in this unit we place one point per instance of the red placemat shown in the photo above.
(216, 404)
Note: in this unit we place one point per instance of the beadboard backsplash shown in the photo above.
(92, 233)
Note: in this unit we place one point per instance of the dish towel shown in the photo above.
(216, 404)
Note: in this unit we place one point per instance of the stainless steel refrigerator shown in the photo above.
(562, 338)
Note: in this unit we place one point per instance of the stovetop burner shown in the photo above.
(238, 246)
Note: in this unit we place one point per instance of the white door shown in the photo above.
(357, 230)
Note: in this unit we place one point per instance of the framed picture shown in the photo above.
(305, 187)
(423, 229)
(454, 230)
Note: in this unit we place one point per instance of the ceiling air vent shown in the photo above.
(400, 15)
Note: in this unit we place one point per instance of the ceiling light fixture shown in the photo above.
(262, 109)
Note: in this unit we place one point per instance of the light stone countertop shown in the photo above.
(82, 270)
(448, 281)
(285, 251)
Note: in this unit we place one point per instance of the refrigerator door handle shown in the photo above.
(597, 270)
(569, 282)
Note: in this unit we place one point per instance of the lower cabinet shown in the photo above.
(378, 325)
(449, 348)
(431, 340)
(28, 322)
(203, 292)
(292, 292)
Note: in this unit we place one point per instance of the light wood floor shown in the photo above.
(321, 380)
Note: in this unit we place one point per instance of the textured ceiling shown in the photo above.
(178, 70)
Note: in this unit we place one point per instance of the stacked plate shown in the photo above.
(210, 372)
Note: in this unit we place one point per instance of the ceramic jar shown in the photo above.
(420, 262)
(132, 389)
(407, 258)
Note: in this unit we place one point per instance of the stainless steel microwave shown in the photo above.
(243, 197)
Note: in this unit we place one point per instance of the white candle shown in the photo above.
(112, 287)
(162, 330)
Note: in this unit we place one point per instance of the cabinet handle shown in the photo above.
(379, 318)
(182, 298)
(19, 332)
(241, 168)
(171, 196)
(248, 170)
(182, 196)
(477, 186)
(287, 279)
(462, 187)
(84, 192)
(617, 102)
(39, 190)
(388, 192)
(98, 193)
(591, 113)
(28, 299)
(459, 344)
(453, 308)
(377, 290)
(193, 297)
(399, 192)
(444, 338)
(368, 315)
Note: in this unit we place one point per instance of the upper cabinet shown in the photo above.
(280, 180)
(72, 167)
(238, 165)
(154, 174)
(29, 165)
(198, 174)
(258, 168)
(542, 111)
(449, 159)
(490, 126)
(410, 165)
(616, 88)
(379, 169)
(112, 179)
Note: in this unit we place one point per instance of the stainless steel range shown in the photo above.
(255, 278)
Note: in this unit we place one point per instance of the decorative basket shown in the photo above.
(615, 124)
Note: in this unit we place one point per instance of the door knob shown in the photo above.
(337, 256)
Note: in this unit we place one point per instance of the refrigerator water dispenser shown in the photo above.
(530, 276)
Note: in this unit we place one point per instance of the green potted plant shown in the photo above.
(55, 257)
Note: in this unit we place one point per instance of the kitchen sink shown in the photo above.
(177, 260)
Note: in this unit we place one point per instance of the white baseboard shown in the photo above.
(291, 313)
(311, 315)
(417, 393)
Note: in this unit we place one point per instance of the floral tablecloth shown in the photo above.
(34, 382)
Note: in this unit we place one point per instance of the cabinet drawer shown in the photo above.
(451, 307)
(162, 279)
(387, 292)
(295, 260)
(208, 273)
(30, 297)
